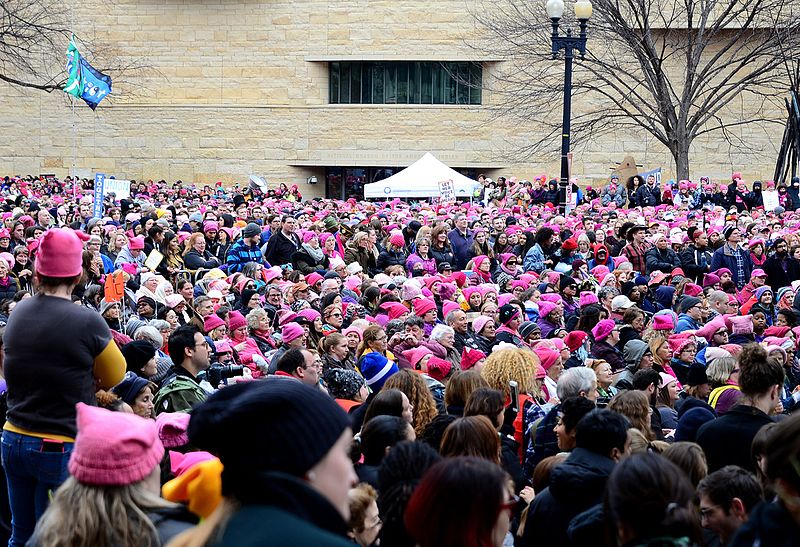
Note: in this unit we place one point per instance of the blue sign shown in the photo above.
(99, 186)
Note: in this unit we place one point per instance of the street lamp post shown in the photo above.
(569, 43)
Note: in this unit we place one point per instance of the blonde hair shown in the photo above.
(190, 241)
(82, 515)
(511, 364)
(655, 342)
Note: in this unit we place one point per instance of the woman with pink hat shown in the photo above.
(45, 380)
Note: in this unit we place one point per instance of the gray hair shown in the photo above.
(451, 317)
(255, 315)
(150, 334)
(159, 324)
(440, 331)
(717, 297)
(573, 381)
(720, 369)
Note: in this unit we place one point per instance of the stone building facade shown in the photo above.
(237, 88)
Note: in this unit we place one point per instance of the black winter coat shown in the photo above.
(575, 486)
(727, 440)
(776, 276)
(304, 262)
(391, 258)
(441, 255)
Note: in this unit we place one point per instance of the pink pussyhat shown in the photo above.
(61, 253)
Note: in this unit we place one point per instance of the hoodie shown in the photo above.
(633, 353)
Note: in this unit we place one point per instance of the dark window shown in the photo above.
(420, 82)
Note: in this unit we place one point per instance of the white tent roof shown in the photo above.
(420, 180)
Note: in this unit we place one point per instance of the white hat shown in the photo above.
(621, 302)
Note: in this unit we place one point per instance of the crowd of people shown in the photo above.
(195, 365)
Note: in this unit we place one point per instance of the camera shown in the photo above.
(215, 374)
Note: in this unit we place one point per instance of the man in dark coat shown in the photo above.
(733, 256)
(601, 439)
(696, 257)
(727, 440)
(781, 268)
(282, 245)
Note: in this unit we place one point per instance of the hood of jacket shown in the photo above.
(581, 477)
(633, 352)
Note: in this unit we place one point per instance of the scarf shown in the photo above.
(317, 254)
(486, 277)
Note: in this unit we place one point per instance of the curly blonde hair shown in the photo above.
(412, 384)
(509, 364)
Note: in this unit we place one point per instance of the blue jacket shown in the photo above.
(725, 257)
(534, 259)
(240, 254)
(462, 248)
(685, 323)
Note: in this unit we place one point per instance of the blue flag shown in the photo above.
(84, 80)
(96, 85)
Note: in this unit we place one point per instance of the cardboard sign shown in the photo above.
(447, 192)
(153, 260)
(770, 200)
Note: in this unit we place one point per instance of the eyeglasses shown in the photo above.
(337, 314)
(205, 343)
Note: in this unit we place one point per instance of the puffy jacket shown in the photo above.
(304, 262)
(443, 255)
(647, 196)
(575, 485)
(193, 260)
(428, 265)
(619, 196)
(664, 261)
(462, 248)
(389, 258)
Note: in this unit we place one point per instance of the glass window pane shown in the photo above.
(378, 96)
(334, 83)
(463, 83)
(413, 83)
(476, 83)
(391, 83)
(426, 83)
(366, 83)
(355, 83)
(402, 83)
(450, 75)
(438, 83)
(344, 90)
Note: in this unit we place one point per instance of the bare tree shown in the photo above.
(674, 68)
(33, 42)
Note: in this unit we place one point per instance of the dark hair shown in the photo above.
(644, 377)
(589, 317)
(377, 434)
(434, 431)
(783, 448)
(471, 436)
(789, 316)
(758, 451)
(291, 360)
(730, 482)
(573, 409)
(47, 282)
(758, 373)
(180, 339)
(453, 492)
(486, 401)
(543, 234)
(387, 402)
(398, 476)
(650, 497)
(602, 430)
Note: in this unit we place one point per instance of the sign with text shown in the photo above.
(770, 200)
(99, 186)
(447, 192)
(120, 188)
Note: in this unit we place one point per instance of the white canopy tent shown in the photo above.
(420, 180)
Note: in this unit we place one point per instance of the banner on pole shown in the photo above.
(99, 185)
(84, 81)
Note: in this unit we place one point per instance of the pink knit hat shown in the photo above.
(113, 448)
(309, 314)
(663, 322)
(480, 322)
(415, 355)
(545, 308)
(587, 298)
(135, 243)
(236, 320)
(438, 369)
(547, 356)
(212, 322)
(173, 429)
(397, 240)
(61, 253)
(291, 331)
(423, 306)
(602, 329)
(449, 306)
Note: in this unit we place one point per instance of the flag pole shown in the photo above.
(74, 150)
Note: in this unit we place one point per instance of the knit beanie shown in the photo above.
(251, 230)
(575, 339)
(376, 369)
(438, 369)
(212, 322)
(136, 243)
(587, 298)
(697, 375)
(663, 322)
(291, 331)
(480, 323)
(343, 383)
(137, 354)
(742, 324)
(279, 426)
(688, 302)
(130, 387)
(60, 253)
(448, 307)
(113, 448)
(173, 429)
(692, 289)
(761, 290)
(423, 306)
(633, 351)
(691, 421)
(526, 328)
(710, 279)
(414, 356)
(545, 308)
(309, 314)
(728, 230)
(565, 281)
(236, 321)
(470, 357)
(397, 239)
(602, 329)
(547, 356)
